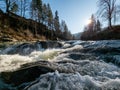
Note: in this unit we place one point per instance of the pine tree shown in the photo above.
(36, 10)
(66, 34)
(91, 25)
(62, 26)
(39, 8)
(44, 14)
(98, 26)
(57, 24)
(50, 17)
(36, 13)
(33, 11)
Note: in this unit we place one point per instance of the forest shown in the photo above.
(31, 18)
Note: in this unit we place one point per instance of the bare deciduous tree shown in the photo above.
(108, 10)
(9, 4)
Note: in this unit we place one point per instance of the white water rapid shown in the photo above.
(70, 65)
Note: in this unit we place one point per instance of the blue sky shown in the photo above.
(74, 12)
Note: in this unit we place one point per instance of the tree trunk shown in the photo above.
(7, 6)
(21, 8)
(110, 23)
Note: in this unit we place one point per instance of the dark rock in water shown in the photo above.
(50, 44)
(29, 72)
(24, 75)
(111, 58)
(27, 48)
(22, 49)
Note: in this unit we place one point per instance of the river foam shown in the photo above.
(13, 62)
(61, 81)
(79, 65)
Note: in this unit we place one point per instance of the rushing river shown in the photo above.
(63, 65)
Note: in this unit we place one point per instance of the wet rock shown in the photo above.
(50, 44)
(111, 58)
(27, 48)
(24, 75)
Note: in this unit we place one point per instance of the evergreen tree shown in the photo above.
(39, 8)
(62, 25)
(44, 14)
(36, 10)
(50, 17)
(66, 34)
(91, 25)
(33, 11)
(98, 26)
(57, 24)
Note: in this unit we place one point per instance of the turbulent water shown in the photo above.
(64, 65)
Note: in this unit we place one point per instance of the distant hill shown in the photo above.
(16, 28)
(77, 36)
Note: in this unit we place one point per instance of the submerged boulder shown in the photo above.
(24, 75)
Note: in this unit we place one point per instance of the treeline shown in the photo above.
(108, 10)
(39, 12)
